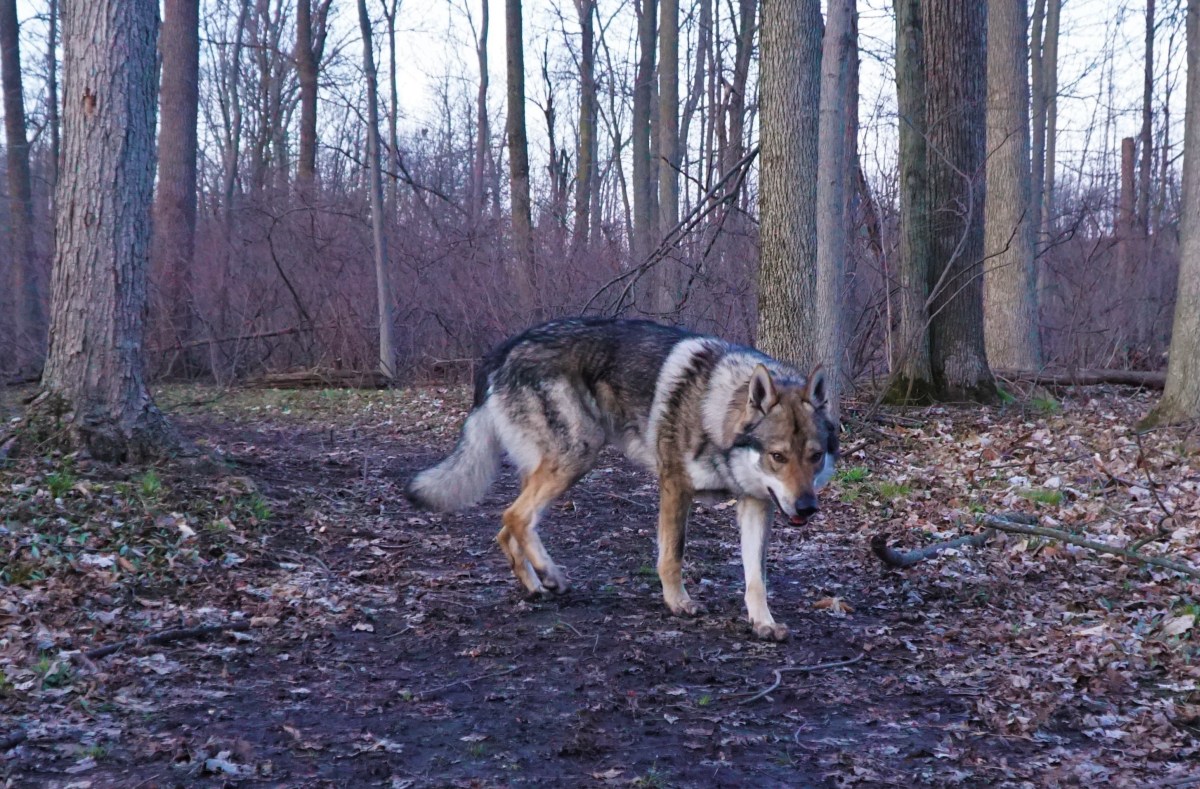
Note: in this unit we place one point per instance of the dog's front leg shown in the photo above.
(675, 501)
(754, 520)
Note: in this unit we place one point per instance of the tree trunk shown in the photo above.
(94, 373)
(391, 8)
(956, 82)
(1147, 139)
(790, 90)
(913, 375)
(1050, 67)
(666, 292)
(833, 176)
(482, 128)
(1181, 397)
(52, 89)
(1037, 109)
(306, 71)
(30, 319)
(588, 109)
(1126, 260)
(174, 240)
(1010, 281)
(643, 165)
(518, 147)
(383, 291)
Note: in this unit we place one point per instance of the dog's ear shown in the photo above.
(816, 392)
(762, 396)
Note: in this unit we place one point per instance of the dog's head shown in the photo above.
(786, 442)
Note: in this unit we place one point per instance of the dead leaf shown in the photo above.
(834, 605)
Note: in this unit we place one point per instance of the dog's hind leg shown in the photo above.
(674, 503)
(519, 537)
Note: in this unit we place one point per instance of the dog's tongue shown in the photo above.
(796, 520)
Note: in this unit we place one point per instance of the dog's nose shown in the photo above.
(806, 506)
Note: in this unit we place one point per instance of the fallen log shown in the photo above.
(1148, 380)
(321, 379)
(165, 637)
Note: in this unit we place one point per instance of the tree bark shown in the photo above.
(1050, 67)
(1147, 133)
(383, 291)
(1010, 281)
(94, 373)
(643, 165)
(668, 147)
(30, 318)
(1037, 107)
(588, 109)
(790, 91)
(1181, 396)
(518, 146)
(52, 89)
(833, 176)
(482, 128)
(309, 47)
(174, 240)
(391, 8)
(913, 375)
(956, 82)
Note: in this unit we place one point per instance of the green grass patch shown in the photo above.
(891, 491)
(1042, 496)
(852, 475)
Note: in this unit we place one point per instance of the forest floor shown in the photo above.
(375, 645)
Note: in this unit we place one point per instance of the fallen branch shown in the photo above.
(320, 379)
(12, 740)
(779, 672)
(1006, 525)
(1149, 380)
(467, 681)
(165, 637)
(898, 559)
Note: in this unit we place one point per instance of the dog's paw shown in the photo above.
(554, 581)
(687, 607)
(772, 632)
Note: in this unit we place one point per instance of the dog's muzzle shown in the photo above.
(806, 507)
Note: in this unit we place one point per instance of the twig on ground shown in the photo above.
(779, 672)
(897, 559)
(1003, 524)
(467, 681)
(165, 637)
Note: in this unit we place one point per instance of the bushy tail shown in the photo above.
(465, 476)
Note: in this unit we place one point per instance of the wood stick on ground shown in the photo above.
(779, 672)
(1149, 380)
(165, 637)
(898, 559)
(1006, 525)
(424, 693)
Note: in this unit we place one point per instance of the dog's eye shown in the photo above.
(816, 457)
(779, 457)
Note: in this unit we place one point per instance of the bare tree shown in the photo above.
(52, 88)
(30, 320)
(94, 371)
(644, 202)
(585, 168)
(668, 115)
(956, 84)
(1181, 397)
(913, 376)
(383, 291)
(1045, 177)
(1146, 138)
(174, 240)
(518, 147)
(482, 128)
(790, 90)
(833, 178)
(1010, 282)
(310, 47)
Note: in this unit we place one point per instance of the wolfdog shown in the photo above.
(707, 416)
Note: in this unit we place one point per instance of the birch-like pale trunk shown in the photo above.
(833, 177)
(1181, 397)
(1010, 281)
(383, 290)
(790, 91)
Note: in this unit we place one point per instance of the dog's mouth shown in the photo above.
(795, 520)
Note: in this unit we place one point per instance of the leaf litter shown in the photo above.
(378, 645)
